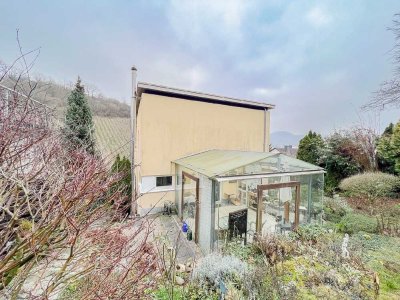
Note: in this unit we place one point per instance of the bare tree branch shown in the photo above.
(388, 94)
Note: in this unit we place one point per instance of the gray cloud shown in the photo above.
(317, 61)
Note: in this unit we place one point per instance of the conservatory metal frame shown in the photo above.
(214, 170)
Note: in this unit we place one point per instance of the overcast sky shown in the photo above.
(317, 61)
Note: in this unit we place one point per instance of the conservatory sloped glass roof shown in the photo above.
(228, 163)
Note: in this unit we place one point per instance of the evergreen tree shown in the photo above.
(310, 148)
(389, 149)
(388, 130)
(79, 128)
(386, 160)
(124, 185)
(395, 143)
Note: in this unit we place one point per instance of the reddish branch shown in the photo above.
(57, 215)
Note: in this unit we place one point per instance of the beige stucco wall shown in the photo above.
(229, 188)
(170, 128)
(152, 202)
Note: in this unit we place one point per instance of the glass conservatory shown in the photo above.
(222, 195)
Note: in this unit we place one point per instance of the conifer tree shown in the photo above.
(79, 128)
(124, 185)
(310, 148)
(389, 149)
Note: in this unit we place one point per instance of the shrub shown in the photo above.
(275, 248)
(263, 283)
(335, 209)
(388, 220)
(338, 159)
(371, 185)
(243, 252)
(215, 268)
(122, 167)
(352, 223)
(308, 232)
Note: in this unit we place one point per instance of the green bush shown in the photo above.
(371, 185)
(308, 232)
(243, 252)
(353, 223)
(122, 167)
(335, 209)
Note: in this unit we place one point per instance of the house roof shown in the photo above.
(230, 163)
(151, 88)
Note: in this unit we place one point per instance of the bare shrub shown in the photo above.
(57, 212)
(275, 248)
(388, 221)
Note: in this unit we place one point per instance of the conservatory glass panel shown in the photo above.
(189, 203)
(277, 163)
(305, 196)
(317, 195)
(236, 196)
(278, 210)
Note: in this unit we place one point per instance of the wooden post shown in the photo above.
(259, 211)
(296, 207)
(270, 186)
(286, 211)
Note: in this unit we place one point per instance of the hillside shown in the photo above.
(112, 135)
(110, 116)
(55, 96)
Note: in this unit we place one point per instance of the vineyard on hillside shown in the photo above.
(112, 135)
(110, 117)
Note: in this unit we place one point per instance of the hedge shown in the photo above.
(371, 185)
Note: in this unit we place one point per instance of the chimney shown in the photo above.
(133, 142)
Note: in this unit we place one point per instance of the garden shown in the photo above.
(353, 254)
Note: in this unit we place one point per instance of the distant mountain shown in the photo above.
(279, 139)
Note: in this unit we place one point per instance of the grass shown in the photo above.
(379, 253)
(112, 135)
(382, 255)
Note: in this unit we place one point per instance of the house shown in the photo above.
(210, 156)
(288, 150)
(173, 123)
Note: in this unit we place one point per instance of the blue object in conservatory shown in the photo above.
(185, 227)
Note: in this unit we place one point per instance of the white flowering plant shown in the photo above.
(216, 268)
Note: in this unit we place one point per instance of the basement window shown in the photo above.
(164, 181)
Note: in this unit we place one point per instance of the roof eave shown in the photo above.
(266, 175)
(143, 87)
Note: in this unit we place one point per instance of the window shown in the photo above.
(164, 181)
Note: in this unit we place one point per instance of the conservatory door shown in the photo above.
(190, 203)
(277, 207)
